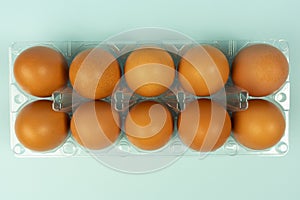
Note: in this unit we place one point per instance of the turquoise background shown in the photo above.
(247, 177)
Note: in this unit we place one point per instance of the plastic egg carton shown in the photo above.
(236, 100)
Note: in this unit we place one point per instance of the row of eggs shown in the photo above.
(260, 69)
(204, 125)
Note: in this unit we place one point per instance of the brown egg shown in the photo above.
(204, 125)
(261, 69)
(149, 125)
(94, 73)
(40, 71)
(40, 128)
(259, 127)
(95, 125)
(203, 70)
(149, 71)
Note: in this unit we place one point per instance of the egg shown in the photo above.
(40, 128)
(94, 73)
(259, 127)
(261, 69)
(95, 125)
(204, 125)
(203, 70)
(149, 125)
(40, 71)
(149, 71)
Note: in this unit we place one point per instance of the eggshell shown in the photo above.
(149, 125)
(40, 71)
(261, 69)
(259, 127)
(94, 73)
(203, 70)
(149, 71)
(204, 125)
(95, 125)
(40, 128)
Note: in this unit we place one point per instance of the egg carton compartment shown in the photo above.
(63, 101)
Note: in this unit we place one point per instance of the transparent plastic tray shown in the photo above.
(236, 100)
